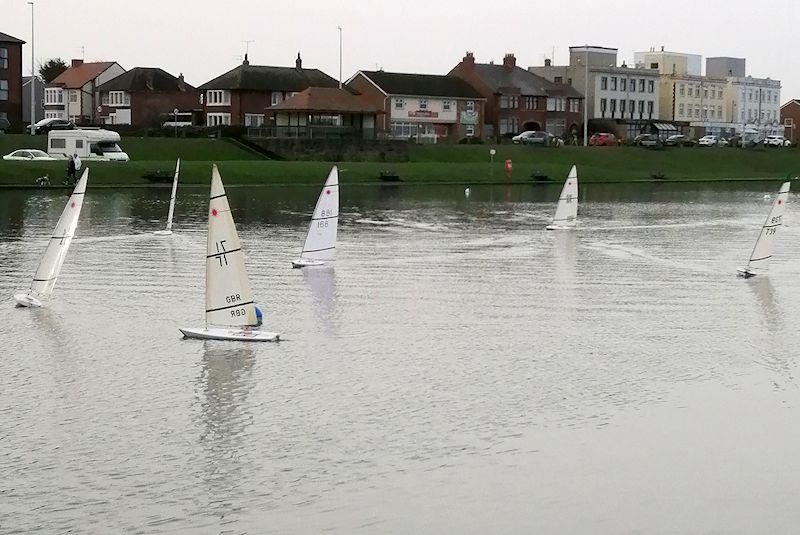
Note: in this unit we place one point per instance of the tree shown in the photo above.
(50, 69)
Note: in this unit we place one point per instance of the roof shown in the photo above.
(78, 76)
(498, 76)
(145, 79)
(325, 99)
(795, 101)
(265, 78)
(5, 38)
(423, 85)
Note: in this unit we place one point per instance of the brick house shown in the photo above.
(240, 96)
(72, 94)
(11, 80)
(790, 119)
(144, 97)
(519, 100)
(426, 107)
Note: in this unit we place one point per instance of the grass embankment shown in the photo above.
(463, 164)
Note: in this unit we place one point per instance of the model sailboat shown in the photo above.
(230, 309)
(168, 230)
(320, 244)
(50, 266)
(765, 244)
(567, 210)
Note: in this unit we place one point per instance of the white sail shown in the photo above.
(320, 244)
(50, 266)
(765, 244)
(229, 300)
(567, 209)
(172, 197)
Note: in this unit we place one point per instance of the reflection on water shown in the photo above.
(459, 362)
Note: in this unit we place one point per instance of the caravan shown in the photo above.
(89, 144)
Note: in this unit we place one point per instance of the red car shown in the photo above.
(602, 139)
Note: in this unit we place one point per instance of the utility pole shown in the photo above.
(33, 78)
(586, 97)
(340, 56)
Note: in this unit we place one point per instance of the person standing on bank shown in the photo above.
(77, 164)
(71, 170)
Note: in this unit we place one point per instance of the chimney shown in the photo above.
(77, 62)
(548, 62)
(469, 60)
(246, 61)
(298, 63)
(181, 83)
(509, 62)
(662, 48)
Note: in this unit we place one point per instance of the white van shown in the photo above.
(88, 143)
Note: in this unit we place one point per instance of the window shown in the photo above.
(654, 65)
(750, 95)
(3, 89)
(119, 98)
(446, 105)
(470, 131)
(470, 106)
(633, 85)
(631, 106)
(509, 125)
(530, 103)
(641, 85)
(613, 83)
(604, 82)
(649, 109)
(53, 95)
(705, 93)
(719, 93)
(719, 112)
(78, 143)
(651, 86)
(575, 105)
(623, 82)
(403, 130)
(681, 89)
(690, 91)
(603, 107)
(73, 96)
(423, 104)
(641, 106)
(277, 98)
(399, 104)
(622, 107)
(218, 119)
(558, 80)
(697, 110)
(253, 119)
(58, 143)
(613, 106)
(218, 97)
(3, 58)
(680, 109)
(508, 102)
(788, 121)
(555, 104)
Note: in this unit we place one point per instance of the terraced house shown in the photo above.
(519, 100)
(72, 94)
(11, 80)
(423, 107)
(240, 96)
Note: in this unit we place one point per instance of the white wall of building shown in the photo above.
(615, 90)
(424, 109)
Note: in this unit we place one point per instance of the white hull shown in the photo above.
(237, 335)
(27, 300)
(745, 273)
(305, 262)
(162, 233)
(559, 227)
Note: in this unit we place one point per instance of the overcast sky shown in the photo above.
(204, 38)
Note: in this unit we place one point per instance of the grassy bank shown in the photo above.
(461, 164)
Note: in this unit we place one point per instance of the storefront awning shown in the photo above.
(665, 127)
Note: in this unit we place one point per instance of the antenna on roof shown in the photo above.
(247, 48)
(83, 53)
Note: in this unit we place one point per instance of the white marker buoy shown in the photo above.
(466, 192)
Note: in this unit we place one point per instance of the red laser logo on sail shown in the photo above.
(73, 204)
(214, 212)
(327, 192)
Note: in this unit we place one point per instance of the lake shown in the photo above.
(459, 370)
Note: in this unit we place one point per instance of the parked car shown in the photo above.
(45, 125)
(533, 137)
(29, 154)
(707, 141)
(4, 125)
(601, 139)
(722, 142)
(677, 140)
(776, 141)
(647, 140)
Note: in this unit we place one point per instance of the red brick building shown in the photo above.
(518, 100)
(790, 119)
(145, 97)
(11, 80)
(240, 96)
(423, 107)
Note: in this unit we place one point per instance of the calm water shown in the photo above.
(460, 370)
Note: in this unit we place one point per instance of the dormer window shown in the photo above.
(423, 104)
(446, 105)
(399, 104)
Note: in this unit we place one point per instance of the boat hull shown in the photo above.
(27, 300)
(236, 335)
(559, 227)
(162, 233)
(745, 273)
(303, 262)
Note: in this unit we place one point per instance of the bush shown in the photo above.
(470, 141)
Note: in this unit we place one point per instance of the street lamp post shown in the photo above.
(586, 97)
(175, 122)
(340, 56)
(33, 78)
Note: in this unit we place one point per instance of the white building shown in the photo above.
(71, 95)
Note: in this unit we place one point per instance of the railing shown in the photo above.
(311, 132)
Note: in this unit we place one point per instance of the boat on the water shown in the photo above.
(320, 245)
(566, 216)
(765, 243)
(167, 231)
